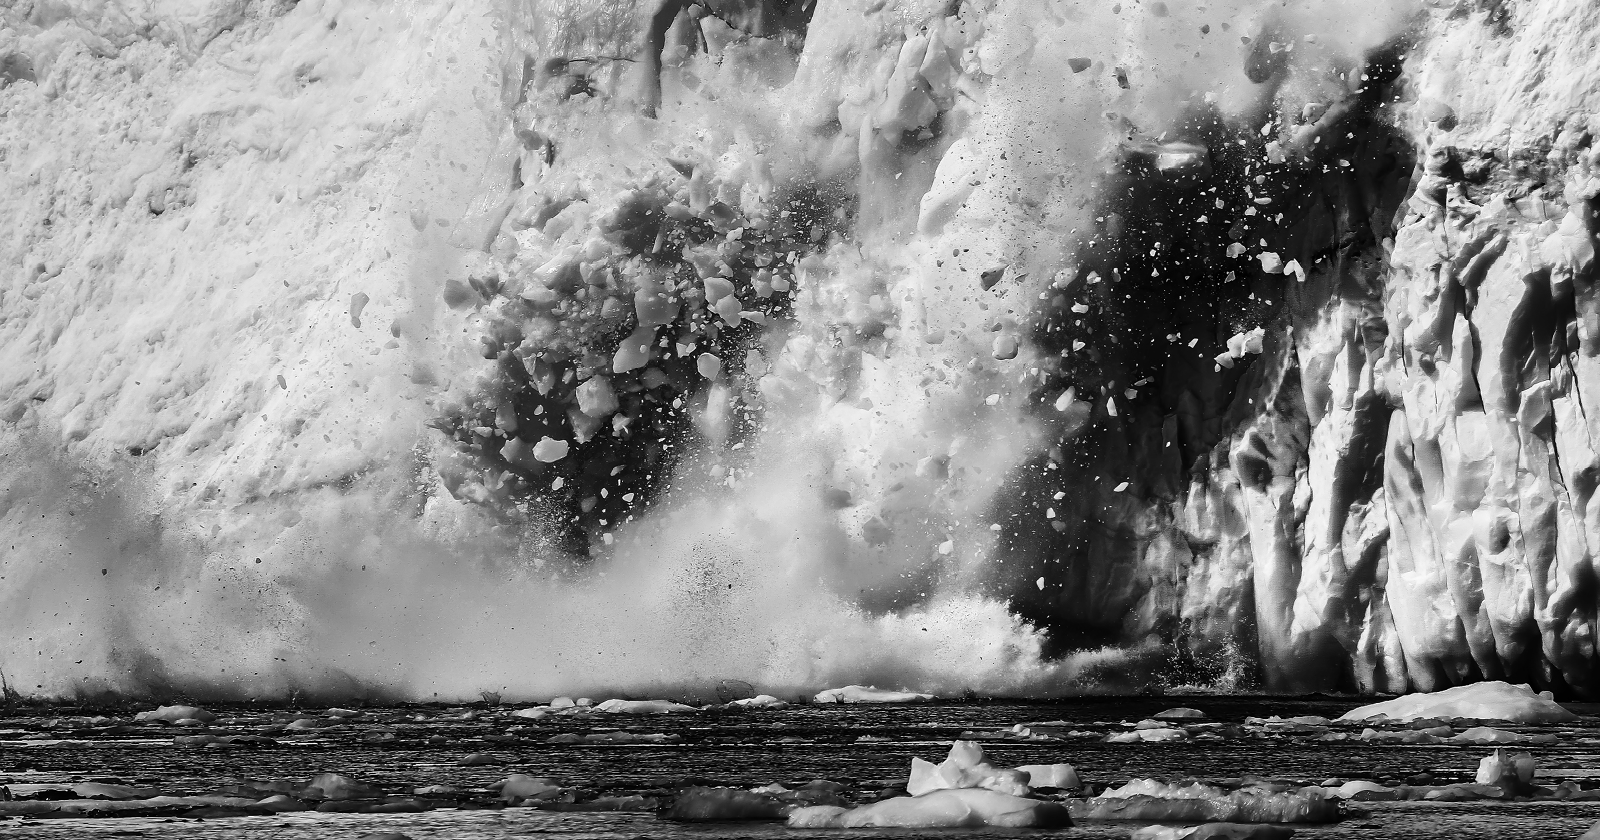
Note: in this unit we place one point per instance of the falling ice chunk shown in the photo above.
(1111, 406)
(358, 302)
(1005, 347)
(1065, 401)
(281, 383)
(708, 365)
(947, 546)
(549, 450)
(992, 399)
(1271, 263)
(717, 288)
(1121, 487)
(1235, 250)
(1039, 583)
(1293, 267)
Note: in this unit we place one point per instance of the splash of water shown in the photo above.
(845, 540)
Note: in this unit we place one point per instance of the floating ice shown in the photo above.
(173, 714)
(967, 808)
(1213, 831)
(965, 768)
(1509, 771)
(642, 707)
(1063, 776)
(760, 701)
(1494, 700)
(868, 694)
(1152, 801)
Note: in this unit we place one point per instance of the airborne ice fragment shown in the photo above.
(709, 365)
(358, 302)
(1493, 700)
(1293, 267)
(596, 397)
(1039, 583)
(549, 450)
(1271, 263)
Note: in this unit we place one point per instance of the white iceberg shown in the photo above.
(173, 714)
(868, 694)
(1493, 700)
(967, 808)
(760, 701)
(1063, 776)
(642, 707)
(965, 768)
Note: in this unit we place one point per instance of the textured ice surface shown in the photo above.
(965, 808)
(1492, 700)
(321, 319)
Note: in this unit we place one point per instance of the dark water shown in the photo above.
(865, 748)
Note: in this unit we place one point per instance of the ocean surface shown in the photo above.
(865, 748)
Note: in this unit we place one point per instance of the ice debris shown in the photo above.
(1493, 700)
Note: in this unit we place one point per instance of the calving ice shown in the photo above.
(433, 348)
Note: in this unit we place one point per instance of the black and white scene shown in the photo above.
(799, 419)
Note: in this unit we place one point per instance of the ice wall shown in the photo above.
(541, 346)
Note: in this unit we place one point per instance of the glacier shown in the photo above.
(426, 348)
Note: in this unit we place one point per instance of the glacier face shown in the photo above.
(432, 347)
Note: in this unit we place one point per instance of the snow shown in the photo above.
(966, 808)
(868, 694)
(1493, 700)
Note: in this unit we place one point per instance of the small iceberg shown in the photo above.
(1493, 700)
(868, 694)
(964, 808)
(642, 707)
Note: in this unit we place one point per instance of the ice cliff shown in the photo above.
(1020, 346)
